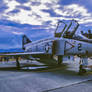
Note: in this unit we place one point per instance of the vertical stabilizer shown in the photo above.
(25, 40)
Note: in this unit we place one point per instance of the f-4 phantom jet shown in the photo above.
(64, 43)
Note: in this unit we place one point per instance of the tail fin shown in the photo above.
(25, 40)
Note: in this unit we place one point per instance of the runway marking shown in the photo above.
(86, 80)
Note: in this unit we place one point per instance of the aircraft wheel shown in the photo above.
(60, 59)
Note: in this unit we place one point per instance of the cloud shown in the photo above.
(11, 4)
(18, 33)
(42, 12)
(73, 10)
(77, 9)
(35, 16)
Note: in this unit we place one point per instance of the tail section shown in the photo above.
(25, 40)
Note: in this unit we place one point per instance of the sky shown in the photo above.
(38, 18)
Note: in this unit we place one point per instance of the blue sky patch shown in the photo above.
(22, 1)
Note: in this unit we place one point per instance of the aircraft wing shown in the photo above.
(22, 54)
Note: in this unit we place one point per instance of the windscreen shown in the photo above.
(71, 29)
(60, 29)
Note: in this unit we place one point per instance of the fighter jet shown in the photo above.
(64, 43)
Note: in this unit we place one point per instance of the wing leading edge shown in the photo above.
(22, 54)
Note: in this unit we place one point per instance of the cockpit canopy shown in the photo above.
(60, 29)
(67, 31)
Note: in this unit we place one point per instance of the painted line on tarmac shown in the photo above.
(68, 85)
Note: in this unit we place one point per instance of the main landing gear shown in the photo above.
(60, 59)
(82, 70)
(83, 64)
(17, 63)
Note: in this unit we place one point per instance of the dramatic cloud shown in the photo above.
(39, 12)
(30, 12)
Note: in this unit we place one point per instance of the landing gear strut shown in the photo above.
(17, 63)
(81, 70)
(83, 64)
(60, 59)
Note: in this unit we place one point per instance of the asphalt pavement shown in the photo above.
(79, 87)
(62, 78)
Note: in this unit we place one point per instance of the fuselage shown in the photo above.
(64, 42)
(62, 46)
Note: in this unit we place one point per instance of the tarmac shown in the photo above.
(80, 87)
(41, 78)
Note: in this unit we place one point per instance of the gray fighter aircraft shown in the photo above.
(64, 43)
